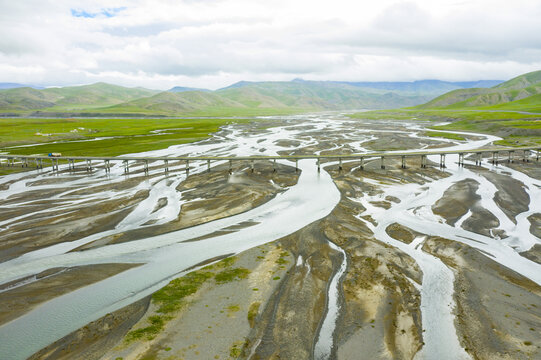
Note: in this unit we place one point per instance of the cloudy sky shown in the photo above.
(213, 43)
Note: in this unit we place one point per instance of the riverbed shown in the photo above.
(148, 233)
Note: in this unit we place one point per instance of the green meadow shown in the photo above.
(83, 137)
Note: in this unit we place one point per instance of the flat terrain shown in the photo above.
(102, 137)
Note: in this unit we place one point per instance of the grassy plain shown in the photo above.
(516, 128)
(102, 137)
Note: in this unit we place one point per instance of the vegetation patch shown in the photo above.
(233, 308)
(170, 299)
(281, 260)
(445, 135)
(229, 275)
(253, 310)
(116, 136)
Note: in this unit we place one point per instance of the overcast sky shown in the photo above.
(213, 43)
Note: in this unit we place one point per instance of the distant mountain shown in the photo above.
(520, 88)
(68, 98)
(420, 87)
(242, 98)
(316, 95)
(424, 87)
(183, 89)
(175, 103)
(4, 86)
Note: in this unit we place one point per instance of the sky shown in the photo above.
(213, 43)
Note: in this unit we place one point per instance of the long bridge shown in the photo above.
(510, 154)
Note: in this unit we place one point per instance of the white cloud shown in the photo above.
(211, 43)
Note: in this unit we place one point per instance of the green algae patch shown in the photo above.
(252, 312)
(231, 275)
(170, 299)
(156, 325)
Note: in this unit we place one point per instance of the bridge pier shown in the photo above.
(510, 156)
(461, 159)
(537, 157)
(187, 167)
(442, 161)
(274, 165)
(403, 166)
(126, 167)
(208, 165)
(340, 164)
(146, 167)
(107, 166)
(479, 159)
(423, 161)
(526, 155)
(318, 165)
(362, 163)
(88, 165)
(252, 165)
(296, 165)
(382, 162)
(230, 166)
(495, 158)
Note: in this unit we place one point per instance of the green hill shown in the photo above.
(502, 96)
(25, 98)
(68, 98)
(242, 98)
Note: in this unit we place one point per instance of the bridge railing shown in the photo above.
(511, 152)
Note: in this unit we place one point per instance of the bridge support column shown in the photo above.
(126, 167)
(107, 166)
(252, 165)
(442, 161)
(403, 162)
(362, 163)
(495, 158)
(41, 163)
(537, 157)
(510, 156)
(274, 165)
(423, 161)
(166, 166)
(526, 156)
(339, 163)
(382, 162)
(479, 159)
(318, 165)
(187, 167)
(230, 166)
(146, 167)
(296, 165)
(88, 165)
(23, 162)
(208, 165)
(461, 159)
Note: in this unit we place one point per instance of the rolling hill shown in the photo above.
(513, 95)
(68, 98)
(242, 98)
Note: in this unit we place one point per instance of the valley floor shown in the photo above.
(346, 263)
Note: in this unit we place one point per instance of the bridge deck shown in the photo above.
(285, 157)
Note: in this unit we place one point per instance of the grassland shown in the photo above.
(102, 137)
(516, 128)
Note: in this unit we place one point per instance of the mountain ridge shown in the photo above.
(244, 97)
